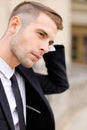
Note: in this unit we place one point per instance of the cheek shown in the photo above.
(31, 39)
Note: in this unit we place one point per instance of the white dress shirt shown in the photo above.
(5, 74)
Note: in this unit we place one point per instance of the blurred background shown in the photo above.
(70, 107)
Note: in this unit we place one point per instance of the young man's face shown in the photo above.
(30, 43)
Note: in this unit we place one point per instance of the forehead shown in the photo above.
(45, 23)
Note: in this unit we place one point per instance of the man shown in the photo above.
(30, 35)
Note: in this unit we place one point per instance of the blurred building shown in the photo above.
(79, 31)
(70, 107)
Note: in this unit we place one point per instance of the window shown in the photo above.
(74, 47)
(85, 48)
(81, 1)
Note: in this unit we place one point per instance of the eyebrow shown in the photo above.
(43, 31)
(51, 41)
(45, 34)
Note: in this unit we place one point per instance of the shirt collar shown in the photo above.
(5, 69)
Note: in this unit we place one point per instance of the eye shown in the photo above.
(51, 43)
(41, 34)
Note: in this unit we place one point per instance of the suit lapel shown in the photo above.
(29, 75)
(5, 106)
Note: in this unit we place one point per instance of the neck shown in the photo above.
(6, 54)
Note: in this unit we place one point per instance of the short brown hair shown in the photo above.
(34, 8)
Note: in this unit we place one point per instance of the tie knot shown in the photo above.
(14, 80)
(12, 77)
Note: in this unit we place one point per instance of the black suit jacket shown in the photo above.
(39, 113)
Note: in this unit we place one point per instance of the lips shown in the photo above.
(36, 56)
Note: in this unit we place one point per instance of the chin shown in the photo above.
(28, 65)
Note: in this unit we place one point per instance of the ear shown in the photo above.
(14, 24)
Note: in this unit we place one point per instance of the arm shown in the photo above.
(56, 81)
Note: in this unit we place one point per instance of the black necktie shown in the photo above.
(19, 103)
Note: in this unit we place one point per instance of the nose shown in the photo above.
(44, 48)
